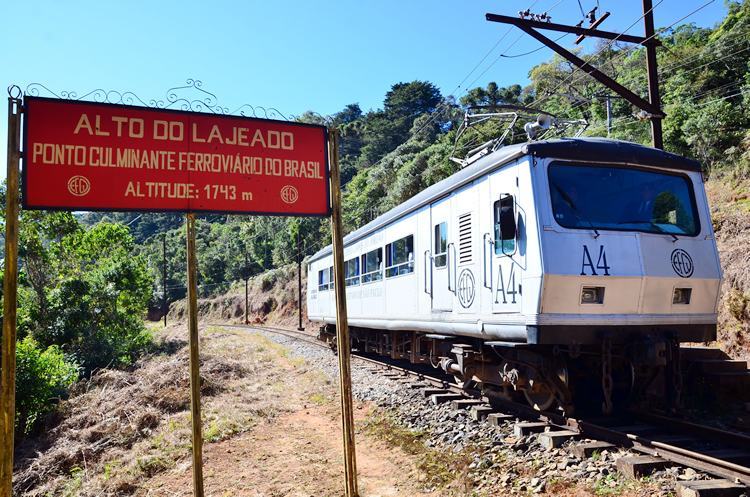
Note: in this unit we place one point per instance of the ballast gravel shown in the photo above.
(500, 461)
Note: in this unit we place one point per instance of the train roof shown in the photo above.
(582, 149)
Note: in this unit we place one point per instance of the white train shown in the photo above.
(534, 264)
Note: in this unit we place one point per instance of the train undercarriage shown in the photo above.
(598, 378)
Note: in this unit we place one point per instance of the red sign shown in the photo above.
(91, 156)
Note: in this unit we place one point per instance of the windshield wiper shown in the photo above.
(653, 225)
(575, 210)
(662, 230)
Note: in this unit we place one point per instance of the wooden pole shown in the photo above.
(195, 379)
(342, 325)
(10, 300)
(165, 304)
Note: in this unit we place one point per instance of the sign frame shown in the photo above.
(25, 148)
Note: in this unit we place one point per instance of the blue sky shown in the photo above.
(294, 55)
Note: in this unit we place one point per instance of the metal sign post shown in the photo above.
(342, 324)
(165, 303)
(299, 281)
(195, 377)
(8, 365)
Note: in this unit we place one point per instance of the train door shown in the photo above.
(438, 258)
(503, 267)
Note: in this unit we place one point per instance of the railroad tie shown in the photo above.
(527, 428)
(464, 403)
(440, 398)
(480, 412)
(638, 466)
(710, 488)
(555, 439)
(429, 392)
(586, 450)
(498, 419)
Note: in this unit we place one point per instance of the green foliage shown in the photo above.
(98, 303)
(43, 375)
(82, 297)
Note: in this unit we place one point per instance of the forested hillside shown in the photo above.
(87, 281)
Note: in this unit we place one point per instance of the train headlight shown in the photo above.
(682, 295)
(592, 295)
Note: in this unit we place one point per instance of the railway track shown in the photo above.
(661, 440)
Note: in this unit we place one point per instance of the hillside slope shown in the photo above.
(730, 209)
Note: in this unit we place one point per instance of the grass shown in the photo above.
(438, 468)
(319, 399)
(609, 485)
(74, 484)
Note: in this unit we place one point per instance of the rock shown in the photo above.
(688, 475)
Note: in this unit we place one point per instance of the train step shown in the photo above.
(731, 385)
(708, 366)
(691, 354)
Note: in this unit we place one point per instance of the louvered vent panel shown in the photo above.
(464, 239)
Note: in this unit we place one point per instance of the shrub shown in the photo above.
(42, 377)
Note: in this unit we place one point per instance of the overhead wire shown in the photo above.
(667, 70)
(499, 57)
(537, 101)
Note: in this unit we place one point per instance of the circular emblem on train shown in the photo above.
(79, 186)
(682, 263)
(465, 288)
(289, 194)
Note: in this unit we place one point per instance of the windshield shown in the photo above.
(620, 198)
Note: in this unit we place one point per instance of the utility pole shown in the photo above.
(247, 280)
(609, 115)
(653, 75)
(165, 304)
(651, 107)
(299, 281)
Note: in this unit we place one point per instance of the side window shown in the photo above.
(399, 257)
(504, 222)
(323, 279)
(330, 278)
(441, 244)
(372, 265)
(351, 270)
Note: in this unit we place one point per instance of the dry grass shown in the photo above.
(730, 209)
(272, 299)
(122, 426)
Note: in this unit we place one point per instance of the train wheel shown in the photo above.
(540, 396)
(543, 395)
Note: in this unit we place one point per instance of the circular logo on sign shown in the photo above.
(79, 186)
(682, 263)
(465, 288)
(289, 194)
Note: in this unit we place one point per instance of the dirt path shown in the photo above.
(297, 454)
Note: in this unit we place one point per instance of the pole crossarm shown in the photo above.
(527, 26)
(530, 23)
